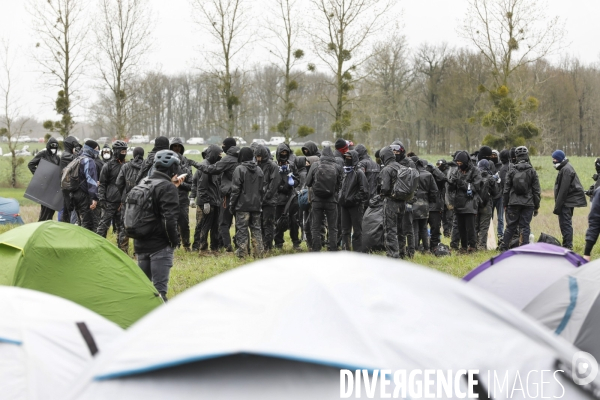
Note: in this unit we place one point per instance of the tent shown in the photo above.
(520, 274)
(283, 327)
(76, 264)
(42, 344)
(9, 212)
(571, 308)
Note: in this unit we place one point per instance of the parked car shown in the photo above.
(24, 152)
(214, 140)
(276, 140)
(240, 141)
(192, 152)
(139, 139)
(41, 140)
(23, 139)
(195, 140)
(262, 142)
(292, 143)
(326, 143)
(103, 140)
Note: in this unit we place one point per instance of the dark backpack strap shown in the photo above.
(289, 202)
(87, 336)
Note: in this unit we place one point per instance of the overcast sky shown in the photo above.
(178, 42)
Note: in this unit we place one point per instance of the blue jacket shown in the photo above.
(88, 175)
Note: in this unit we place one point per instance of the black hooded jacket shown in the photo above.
(184, 168)
(355, 187)
(107, 189)
(427, 192)
(247, 188)
(311, 149)
(532, 197)
(327, 157)
(389, 173)
(149, 162)
(370, 168)
(128, 176)
(67, 156)
(271, 176)
(224, 168)
(205, 188)
(440, 180)
(458, 182)
(44, 155)
(568, 191)
(284, 190)
(166, 208)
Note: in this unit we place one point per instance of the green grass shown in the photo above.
(190, 268)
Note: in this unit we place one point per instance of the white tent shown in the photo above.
(42, 347)
(283, 327)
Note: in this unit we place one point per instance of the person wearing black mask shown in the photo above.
(271, 181)
(184, 189)
(69, 153)
(49, 154)
(406, 240)
(289, 181)
(393, 209)
(224, 168)
(125, 182)
(109, 195)
(371, 170)
(596, 178)
(465, 182)
(353, 194)
(246, 202)
(160, 143)
(502, 173)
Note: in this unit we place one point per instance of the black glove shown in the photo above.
(595, 177)
(535, 213)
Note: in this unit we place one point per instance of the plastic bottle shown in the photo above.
(290, 180)
(531, 238)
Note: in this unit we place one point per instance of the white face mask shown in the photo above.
(106, 156)
(53, 151)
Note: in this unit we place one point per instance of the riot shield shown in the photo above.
(44, 187)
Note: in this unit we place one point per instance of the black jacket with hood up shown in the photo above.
(568, 191)
(389, 173)
(223, 168)
(247, 188)
(284, 190)
(107, 189)
(355, 187)
(44, 155)
(427, 192)
(311, 149)
(128, 176)
(271, 176)
(67, 156)
(459, 181)
(327, 157)
(206, 186)
(370, 168)
(184, 168)
(532, 197)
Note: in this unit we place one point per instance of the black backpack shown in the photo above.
(283, 223)
(139, 218)
(442, 250)
(70, 176)
(325, 180)
(484, 193)
(545, 238)
(407, 182)
(520, 182)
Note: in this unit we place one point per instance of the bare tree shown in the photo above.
(227, 21)
(511, 34)
(123, 37)
(343, 28)
(12, 123)
(61, 27)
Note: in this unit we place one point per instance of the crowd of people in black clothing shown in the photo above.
(319, 197)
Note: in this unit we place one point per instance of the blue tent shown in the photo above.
(9, 212)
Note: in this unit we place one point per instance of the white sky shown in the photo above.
(178, 41)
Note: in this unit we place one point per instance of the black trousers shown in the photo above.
(244, 222)
(420, 233)
(393, 213)
(67, 207)
(320, 211)
(123, 238)
(455, 234)
(406, 240)
(518, 219)
(268, 226)
(206, 224)
(109, 213)
(293, 225)
(466, 229)
(46, 214)
(225, 221)
(435, 224)
(352, 228)
(565, 220)
(183, 223)
(447, 221)
(81, 202)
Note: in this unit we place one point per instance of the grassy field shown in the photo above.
(190, 268)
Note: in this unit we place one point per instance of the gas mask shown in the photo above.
(105, 155)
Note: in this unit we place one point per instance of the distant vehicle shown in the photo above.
(292, 143)
(326, 143)
(192, 152)
(172, 138)
(139, 139)
(24, 152)
(262, 142)
(214, 140)
(195, 140)
(130, 151)
(275, 140)
(103, 140)
(240, 141)
(41, 140)
(23, 139)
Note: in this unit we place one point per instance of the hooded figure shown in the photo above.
(246, 203)
(393, 210)
(353, 195)
(125, 182)
(160, 143)
(369, 167)
(51, 156)
(288, 181)
(183, 224)
(109, 195)
(487, 192)
(271, 180)
(427, 193)
(596, 179)
(85, 199)
(310, 149)
(69, 144)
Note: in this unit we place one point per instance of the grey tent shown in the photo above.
(571, 308)
(283, 327)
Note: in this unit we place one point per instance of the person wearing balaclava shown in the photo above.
(85, 199)
(286, 190)
(447, 210)
(596, 178)
(68, 154)
(208, 201)
(489, 190)
(426, 195)
(486, 153)
(371, 170)
(50, 155)
(353, 194)
(184, 190)
(160, 143)
(247, 191)
(224, 167)
(271, 181)
(125, 182)
(568, 194)
(522, 197)
(406, 239)
(393, 209)
(109, 196)
(502, 171)
(466, 183)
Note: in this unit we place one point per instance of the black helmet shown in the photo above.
(166, 158)
(119, 145)
(521, 151)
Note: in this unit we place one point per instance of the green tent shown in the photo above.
(76, 264)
